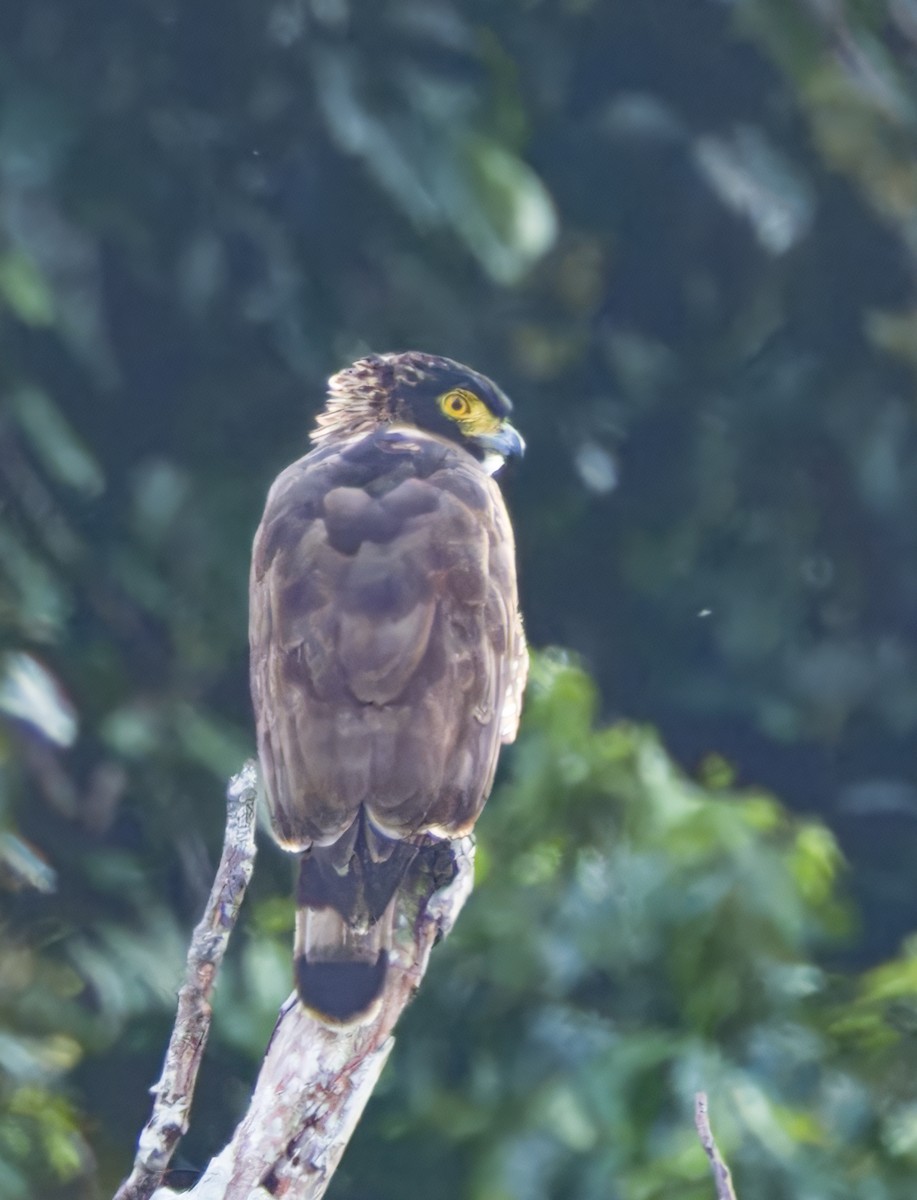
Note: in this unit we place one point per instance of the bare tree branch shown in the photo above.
(721, 1174)
(175, 1089)
(315, 1080)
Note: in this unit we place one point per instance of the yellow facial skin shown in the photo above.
(471, 415)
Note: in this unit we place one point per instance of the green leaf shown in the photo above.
(26, 290)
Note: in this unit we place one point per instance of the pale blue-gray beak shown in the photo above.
(507, 442)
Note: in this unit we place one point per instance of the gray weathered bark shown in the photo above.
(175, 1089)
(315, 1080)
(722, 1176)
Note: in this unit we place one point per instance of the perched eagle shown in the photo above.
(387, 653)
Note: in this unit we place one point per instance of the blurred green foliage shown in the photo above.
(680, 233)
(637, 936)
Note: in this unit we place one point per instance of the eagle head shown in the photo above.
(425, 391)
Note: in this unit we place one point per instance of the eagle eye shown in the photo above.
(457, 404)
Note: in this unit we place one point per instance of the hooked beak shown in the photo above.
(506, 441)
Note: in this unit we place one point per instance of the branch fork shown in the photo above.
(315, 1079)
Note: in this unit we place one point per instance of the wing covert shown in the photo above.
(387, 652)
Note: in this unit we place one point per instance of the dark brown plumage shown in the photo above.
(387, 654)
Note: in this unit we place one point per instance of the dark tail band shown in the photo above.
(340, 991)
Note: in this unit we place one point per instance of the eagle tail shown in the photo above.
(340, 972)
(346, 906)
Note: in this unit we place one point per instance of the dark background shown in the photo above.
(681, 235)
